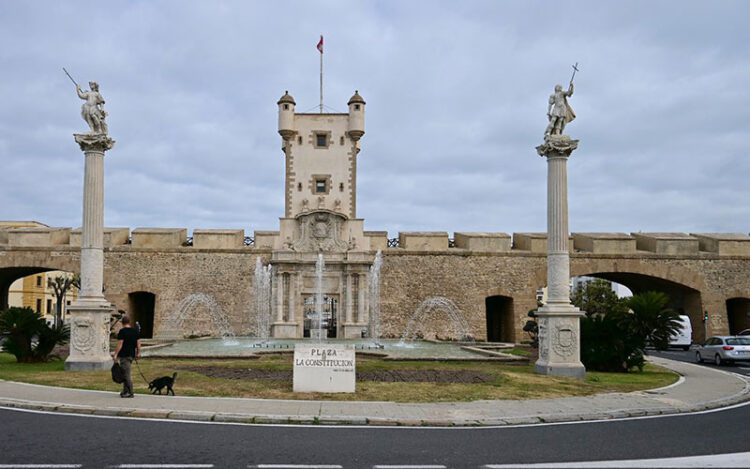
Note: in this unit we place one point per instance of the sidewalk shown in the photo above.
(700, 388)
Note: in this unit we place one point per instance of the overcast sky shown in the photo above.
(456, 99)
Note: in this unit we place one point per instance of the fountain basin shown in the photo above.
(252, 346)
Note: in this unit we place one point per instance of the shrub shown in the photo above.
(27, 335)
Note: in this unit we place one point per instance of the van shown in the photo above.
(683, 337)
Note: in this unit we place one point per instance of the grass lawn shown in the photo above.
(270, 377)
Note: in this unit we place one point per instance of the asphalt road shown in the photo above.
(36, 438)
(742, 367)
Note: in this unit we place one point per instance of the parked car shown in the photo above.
(683, 337)
(724, 349)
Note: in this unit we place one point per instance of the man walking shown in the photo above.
(128, 349)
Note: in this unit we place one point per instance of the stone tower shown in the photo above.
(320, 217)
(321, 157)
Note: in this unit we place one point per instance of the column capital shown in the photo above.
(557, 145)
(94, 142)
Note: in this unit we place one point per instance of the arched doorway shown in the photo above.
(738, 314)
(499, 316)
(141, 306)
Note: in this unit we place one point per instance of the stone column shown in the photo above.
(280, 297)
(349, 298)
(90, 313)
(559, 329)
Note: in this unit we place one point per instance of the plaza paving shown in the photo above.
(700, 388)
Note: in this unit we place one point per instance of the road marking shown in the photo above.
(297, 466)
(172, 466)
(714, 460)
(44, 466)
(428, 466)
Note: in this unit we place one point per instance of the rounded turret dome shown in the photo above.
(287, 98)
(356, 98)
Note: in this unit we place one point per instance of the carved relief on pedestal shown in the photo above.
(542, 335)
(83, 336)
(105, 333)
(319, 231)
(564, 339)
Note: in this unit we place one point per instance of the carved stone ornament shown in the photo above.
(554, 145)
(564, 340)
(94, 142)
(83, 337)
(105, 332)
(542, 335)
(319, 231)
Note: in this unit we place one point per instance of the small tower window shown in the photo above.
(299, 140)
(356, 107)
(341, 187)
(321, 186)
(299, 187)
(286, 107)
(341, 140)
(321, 140)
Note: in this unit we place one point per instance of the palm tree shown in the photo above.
(652, 319)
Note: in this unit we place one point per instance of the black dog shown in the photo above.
(160, 383)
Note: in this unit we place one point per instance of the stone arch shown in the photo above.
(8, 275)
(738, 313)
(685, 299)
(141, 307)
(500, 319)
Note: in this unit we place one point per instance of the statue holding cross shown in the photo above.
(559, 111)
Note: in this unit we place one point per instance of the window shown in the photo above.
(341, 187)
(286, 107)
(49, 306)
(341, 140)
(299, 140)
(38, 280)
(39, 305)
(356, 107)
(321, 140)
(299, 187)
(321, 186)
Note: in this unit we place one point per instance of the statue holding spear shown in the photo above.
(559, 111)
(92, 110)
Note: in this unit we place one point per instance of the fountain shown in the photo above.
(438, 303)
(375, 298)
(217, 316)
(262, 289)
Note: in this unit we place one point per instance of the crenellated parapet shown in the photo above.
(606, 243)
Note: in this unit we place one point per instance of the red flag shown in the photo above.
(320, 44)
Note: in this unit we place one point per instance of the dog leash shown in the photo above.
(140, 372)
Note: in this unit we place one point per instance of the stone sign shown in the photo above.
(324, 368)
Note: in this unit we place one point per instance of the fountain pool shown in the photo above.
(246, 346)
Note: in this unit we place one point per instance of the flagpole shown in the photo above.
(321, 76)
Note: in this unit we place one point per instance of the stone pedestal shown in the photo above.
(89, 333)
(353, 330)
(559, 329)
(284, 330)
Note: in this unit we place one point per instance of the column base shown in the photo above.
(284, 330)
(89, 335)
(353, 330)
(572, 370)
(559, 341)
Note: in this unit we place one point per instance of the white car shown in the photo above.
(684, 336)
(724, 349)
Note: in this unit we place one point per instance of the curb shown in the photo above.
(270, 419)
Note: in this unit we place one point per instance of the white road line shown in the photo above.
(426, 466)
(714, 460)
(297, 466)
(41, 466)
(172, 466)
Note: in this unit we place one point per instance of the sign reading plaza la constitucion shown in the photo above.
(324, 368)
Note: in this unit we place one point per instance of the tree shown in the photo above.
(652, 319)
(597, 298)
(27, 335)
(60, 286)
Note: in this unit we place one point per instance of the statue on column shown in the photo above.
(559, 111)
(92, 110)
